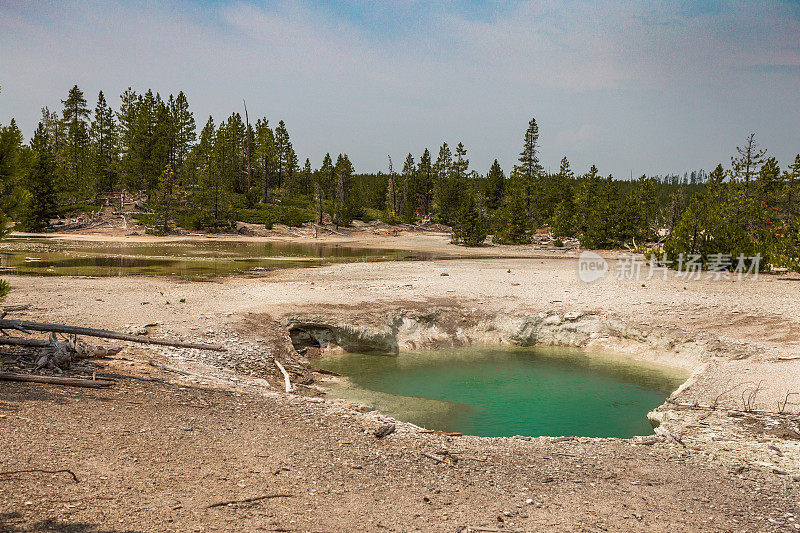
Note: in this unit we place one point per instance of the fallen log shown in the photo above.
(31, 343)
(103, 333)
(61, 353)
(55, 380)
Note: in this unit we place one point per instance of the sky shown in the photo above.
(634, 87)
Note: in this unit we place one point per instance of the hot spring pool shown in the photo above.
(503, 391)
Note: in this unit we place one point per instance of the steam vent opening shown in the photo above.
(506, 391)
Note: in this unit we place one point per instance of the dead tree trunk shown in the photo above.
(72, 382)
(23, 325)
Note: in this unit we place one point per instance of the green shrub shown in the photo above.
(558, 243)
(146, 219)
(296, 217)
(387, 217)
(275, 214)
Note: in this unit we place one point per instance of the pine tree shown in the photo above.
(495, 186)
(528, 171)
(598, 207)
(325, 181)
(9, 154)
(792, 180)
(448, 188)
(409, 196)
(161, 143)
(469, 228)
(212, 197)
(303, 184)
(529, 166)
(265, 154)
(166, 197)
(344, 211)
(562, 220)
(461, 164)
(442, 171)
(748, 164)
(76, 116)
(141, 144)
(229, 144)
(39, 204)
(104, 144)
(184, 126)
(744, 168)
(392, 194)
(283, 153)
(511, 226)
(708, 225)
(639, 218)
(127, 119)
(10, 143)
(425, 176)
(767, 197)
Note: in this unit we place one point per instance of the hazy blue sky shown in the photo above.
(641, 87)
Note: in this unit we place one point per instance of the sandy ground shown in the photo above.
(156, 450)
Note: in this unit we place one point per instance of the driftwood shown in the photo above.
(82, 349)
(102, 333)
(55, 380)
(286, 381)
(60, 354)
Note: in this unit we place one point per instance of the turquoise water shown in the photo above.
(496, 391)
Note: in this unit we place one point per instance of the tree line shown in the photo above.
(250, 172)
